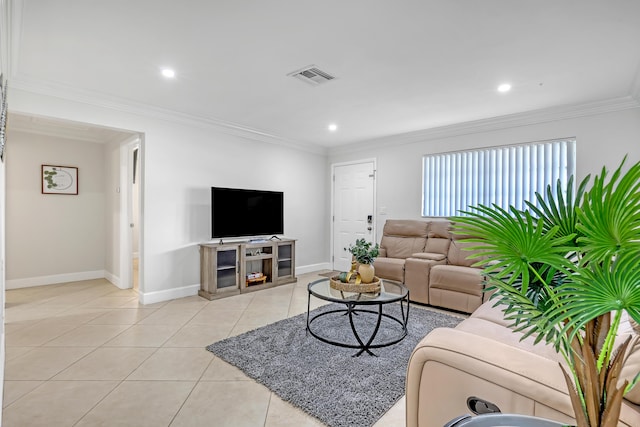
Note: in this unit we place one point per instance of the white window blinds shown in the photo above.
(506, 176)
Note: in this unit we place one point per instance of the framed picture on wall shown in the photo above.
(59, 180)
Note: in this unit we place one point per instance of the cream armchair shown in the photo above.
(482, 357)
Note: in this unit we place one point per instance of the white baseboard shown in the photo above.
(115, 280)
(145, 297)
(54, 279)
(169, 294)
(191, 290)
(313, 267)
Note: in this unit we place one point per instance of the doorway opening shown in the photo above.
(131, 214)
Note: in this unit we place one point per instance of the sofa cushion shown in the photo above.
(457, 278)
(630, 370)
(402, 237)
(402, 247)
(439, 237)
(488, 321)
(495, 331)
(628, 327)
(488, 312)
(454, 300)
(458, 253)
(406, 227)
(429, 256)
(389, 268)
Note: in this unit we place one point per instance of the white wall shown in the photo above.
(182, 159)
(180, 164)
(52, 237)
(602, 140)
(4, 68)
(135, 206)
(2, 275)
(177, 198)
(111, 155)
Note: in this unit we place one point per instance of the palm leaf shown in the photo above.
(599, 289)
(609, 218)
(556, 211)
(510, 243)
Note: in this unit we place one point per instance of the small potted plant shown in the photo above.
(365, 253)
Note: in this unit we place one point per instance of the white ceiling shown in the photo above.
(401, 66)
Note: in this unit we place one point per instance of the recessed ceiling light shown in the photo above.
(332, 127)
(168, 73)
(505, 87)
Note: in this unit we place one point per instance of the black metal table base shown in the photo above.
(351, 311)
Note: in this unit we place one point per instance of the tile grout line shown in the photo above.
(293, 292)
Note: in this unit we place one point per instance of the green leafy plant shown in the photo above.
(565, 271)
(48, 176)
(364, 252)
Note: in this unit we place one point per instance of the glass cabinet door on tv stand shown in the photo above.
(286, 261)
(219, 270)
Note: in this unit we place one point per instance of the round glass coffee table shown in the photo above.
(365, 305)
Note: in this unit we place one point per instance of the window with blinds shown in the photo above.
(505, 176)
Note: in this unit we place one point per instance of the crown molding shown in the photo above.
(148, 111)
(477, 126)
(495, 123)
(29, 124)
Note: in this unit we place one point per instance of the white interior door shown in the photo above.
(353, 209)
(130, 217)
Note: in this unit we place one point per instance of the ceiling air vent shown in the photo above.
(312, 75)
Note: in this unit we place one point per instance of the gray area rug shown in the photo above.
(326, 381)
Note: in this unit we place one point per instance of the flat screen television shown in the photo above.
(239, 212)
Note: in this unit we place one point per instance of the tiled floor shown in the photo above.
(88, 354)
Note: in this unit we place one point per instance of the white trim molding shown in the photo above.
(54, 279)
(313, 268)
(72, 94)
(168, 294)
(192, 290)
(496, 123)
(115, 280)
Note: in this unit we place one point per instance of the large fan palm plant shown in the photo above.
(565, 271)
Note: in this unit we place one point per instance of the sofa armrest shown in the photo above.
(428, 255)
(449, 365)
(416, 277)
(390, 268)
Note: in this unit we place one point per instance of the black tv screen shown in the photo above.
(240, 213)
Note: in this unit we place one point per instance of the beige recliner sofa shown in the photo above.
(401, 238)
(457, 285)
(431, 262)
(482, 357)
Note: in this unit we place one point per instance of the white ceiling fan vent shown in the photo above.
(312, 75)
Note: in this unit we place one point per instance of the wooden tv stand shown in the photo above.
(224, 267)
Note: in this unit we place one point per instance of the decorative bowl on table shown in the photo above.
(352, 286)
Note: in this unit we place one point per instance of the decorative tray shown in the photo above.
(351, 286)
